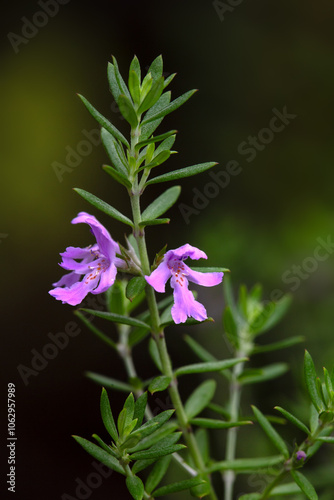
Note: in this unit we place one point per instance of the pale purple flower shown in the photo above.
(300, 455)
(93, 269)
(173, 267)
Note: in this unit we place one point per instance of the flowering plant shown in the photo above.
(138, 444)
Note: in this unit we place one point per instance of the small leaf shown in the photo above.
(272, 434)
(114, 151)
(103, 445)
(157, 473)
(148, 129)
(154, 353)
(159, 384)
(152, 96)
(135, 487)
(104, 122)
(121, 84)
(135, 286)
(212, 366)
(179, 486)
(246, 465)
(113, 84)
(156, 68)
(158, 160)
(155, 139)
(127, 110)
(102, 336)
(161, 451)
(182, 172)
(311, 384)
(169, 79)
(153, 425)
(104, 207)
(230, 327)
(271, 315)
(117, 176)
(140, 407)
(304, 484)
(211, 423)
(326, 439)
(100, 454)
(107, 415)
(161, 204)
(200, 398)
(154, 222)
(199, 350)
(121, 422)
(285, 489)
(109, 382)
(117, 318)
(282, 344)
(252, 376)
(294, 420)
(171, 107)
(134, 86)
(130, 408)
(135, 66)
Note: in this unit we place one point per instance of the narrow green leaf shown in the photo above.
(304, 484)
(179, 486)
(211, 423)
(157, 452)
(285, 489)
(263, 374)
(294, 420)
(311, 384)
(100, 454)
(104, 207)
(113, 85)
(117, 318)
(152, 434)
(146, 85)
(117, 176)
(156, 68)
(135, 286)
(134, 86)
(328, 382)
(103, 445)
(151, 426)
(212, 366)
(148, 129)
(246, 465)
(102, 336)
(127, 110)
(199, 350)
(154, 222)
(203, 443)
(210, 269)
(121, 84)
(109, 382)
(104, 122)
(152, 96)
(166, 145)
(140, 465)
(140, 407)
(135, 66)
(169, 79)
(171, 107)
(159, 384)
(200, 398)
(272, 434)
(154, 353)
(121, 422)
(326, 439)
(182, 172)
(220, 410)
(271, 315)
(155, 139)
(135, 487)
(161, 204)
(130, 408)
(282, 344)
(115, 152)
(158, 160)
(157, 473)
(107, 416)
(230, 327)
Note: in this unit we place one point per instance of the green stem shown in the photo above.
(231, 439)
(159, 337)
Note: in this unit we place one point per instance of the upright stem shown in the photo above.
(159, 337)
(231, 440)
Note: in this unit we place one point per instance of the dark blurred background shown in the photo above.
(252, 62)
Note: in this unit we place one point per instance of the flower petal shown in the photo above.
(204, 279)
(184, 252)
(158, 278)
(107, 279)
(75, 294)
(105, 242)
(185, 304)
(67, 280)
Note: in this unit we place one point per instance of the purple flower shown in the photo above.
(97, 265)
(300, 455)
(173, 267)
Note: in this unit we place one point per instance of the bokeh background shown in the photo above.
(253, 58)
